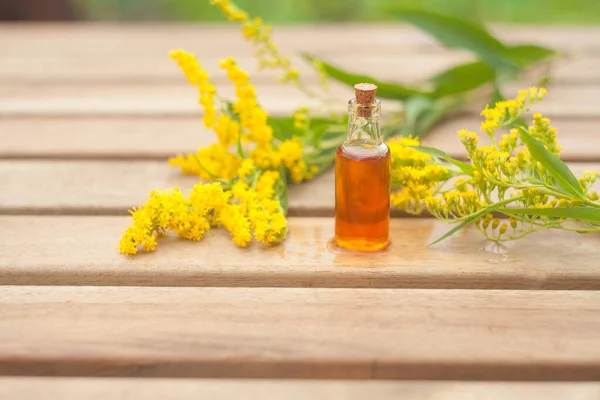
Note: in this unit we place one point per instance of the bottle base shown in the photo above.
(361, 245)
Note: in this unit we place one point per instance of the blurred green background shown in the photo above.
(298, 11)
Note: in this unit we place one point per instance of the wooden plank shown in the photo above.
(230, 389)
(144, 57)
(300, 333)
(137, 99)
(106, 40)
(83, 251)
(111, 40)
(575, 69)
(113, 187)
(160, 68)
(152, 138)
(164, 99)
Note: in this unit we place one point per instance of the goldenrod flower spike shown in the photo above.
(500, 174)
(259, 33)
(249, 169)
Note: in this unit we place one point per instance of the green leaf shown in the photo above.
(390, 131)
(462, 78)
(581, 213)
(283, 128)
(387, 90)
(414, 108)
(458, 33)
(442, 108)
(527, 54)
(436, 153)
(240, 150)
(321, 129)
(496, 95)
(281, 191)
(555, 166)
(421, 113)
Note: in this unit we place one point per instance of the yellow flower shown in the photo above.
(401, 199)
(234, 220)
(245, 169)
(208, 204)
(197, 76)
(163, 210)
(402, 152)
(230, 10)
(469, 140)
(258, 130)
(252, 116)
(489, 126)
(208, 163)
(299, 172)
(300, 118)
(265, 157)
(495, 223)
(244, 194)
(291, 75)
(257, 211)
(290, 152)
(252, 29)
(227, 130)
(265, 186)
(259, 34)
(210, 196)
(494, 114)
(188, 63)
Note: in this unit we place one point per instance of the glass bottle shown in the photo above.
(362, 178)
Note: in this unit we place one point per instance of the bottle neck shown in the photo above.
(363, 124)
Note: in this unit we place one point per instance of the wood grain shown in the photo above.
(151, 138)
(111, 40)
(113, 187)
(83, 251)
(576, 69)
(167, 99)
(231, 389)
(300, 333)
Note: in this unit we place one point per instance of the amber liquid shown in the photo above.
(362, 197)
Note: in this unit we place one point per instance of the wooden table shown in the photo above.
(88, 116)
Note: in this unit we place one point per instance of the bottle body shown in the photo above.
(362, 196)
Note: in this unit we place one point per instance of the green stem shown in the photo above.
(215, 177)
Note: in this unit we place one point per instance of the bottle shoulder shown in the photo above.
(359, 151)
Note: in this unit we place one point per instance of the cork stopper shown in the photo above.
(365, 98)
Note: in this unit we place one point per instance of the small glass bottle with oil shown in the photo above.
(362, 178)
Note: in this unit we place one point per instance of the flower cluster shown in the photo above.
(259, 34)
(248, 165)
(502, 174)
(414, 173)
(243, 123)
(244, 211)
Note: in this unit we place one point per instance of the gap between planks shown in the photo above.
(83, 251)
(300, 333)
(226, 389)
